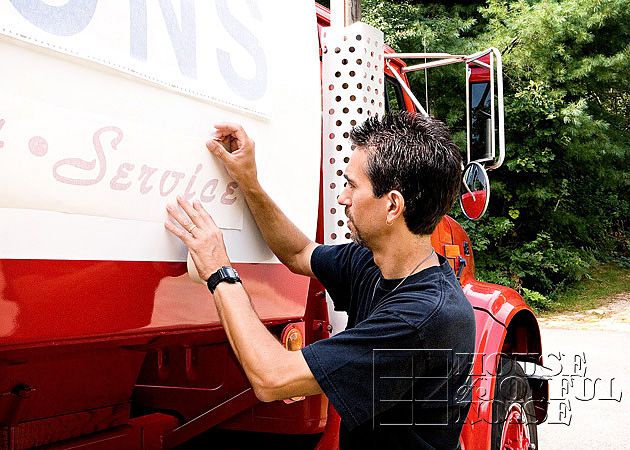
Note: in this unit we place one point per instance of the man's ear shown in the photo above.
(395, 205)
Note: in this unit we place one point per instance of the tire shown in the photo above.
(513, 416)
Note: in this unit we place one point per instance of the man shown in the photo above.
(394, 375)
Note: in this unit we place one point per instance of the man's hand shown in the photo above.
(201, 235)
(232, 146)
(236, 150)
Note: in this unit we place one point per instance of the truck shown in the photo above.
(106, 341)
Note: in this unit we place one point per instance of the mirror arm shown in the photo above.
(481, 54)
(429, 65)
(405, 88)
(450, 59)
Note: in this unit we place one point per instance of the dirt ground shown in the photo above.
(613, 316)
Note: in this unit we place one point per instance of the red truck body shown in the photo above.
(131, 355)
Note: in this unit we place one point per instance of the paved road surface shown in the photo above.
(598, 421)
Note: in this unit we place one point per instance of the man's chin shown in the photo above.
(357, 239)
(354, 234)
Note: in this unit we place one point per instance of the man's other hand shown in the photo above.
(235, 149)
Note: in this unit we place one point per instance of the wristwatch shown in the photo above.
(225, 273)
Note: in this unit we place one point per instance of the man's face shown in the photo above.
(365, 212)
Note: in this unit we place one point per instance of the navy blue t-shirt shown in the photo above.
(399, 375)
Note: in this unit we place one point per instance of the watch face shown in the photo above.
(229, 274)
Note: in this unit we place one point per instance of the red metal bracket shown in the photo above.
(220, 413)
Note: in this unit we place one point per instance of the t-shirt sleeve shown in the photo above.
(364, 371)
(334, 266)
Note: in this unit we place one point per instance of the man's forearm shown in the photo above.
(274, 372)
(284, 238)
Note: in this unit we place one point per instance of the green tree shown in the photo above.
(566, 66)
(562, 197)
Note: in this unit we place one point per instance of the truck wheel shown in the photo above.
(513, 416)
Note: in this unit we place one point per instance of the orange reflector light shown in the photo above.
(293, 340)
(451, 251)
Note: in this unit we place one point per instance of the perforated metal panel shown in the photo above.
(353, 85)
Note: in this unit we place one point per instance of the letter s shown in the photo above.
(64, 20)
(248, 88)
(89, 165)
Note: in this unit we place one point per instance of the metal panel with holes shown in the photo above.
(353, 85)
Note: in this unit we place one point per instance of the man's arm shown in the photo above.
(274, 372)
(236, 150)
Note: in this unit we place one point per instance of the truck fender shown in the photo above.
(507, 327)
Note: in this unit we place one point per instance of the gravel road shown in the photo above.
(614, 316)
(586, 358)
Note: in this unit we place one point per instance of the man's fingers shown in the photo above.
(196, 215)
(230, 128)
(232, 135)
(190, 212)
(205, 215)
(217, 148)
(177, 231)
(186, 221)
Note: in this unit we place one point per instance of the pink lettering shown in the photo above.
(187, 194)
(146, 172)
(89, 165)
(177, 176)
(212, 185)
(123, 172)
(2, 122)
(229, 190)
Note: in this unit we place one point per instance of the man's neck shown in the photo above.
(400, 252)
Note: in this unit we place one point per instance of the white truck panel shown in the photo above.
(102, 122)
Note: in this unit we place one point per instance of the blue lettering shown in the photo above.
(64, 20)
(183, 38)
(248, 88)
(138, 29)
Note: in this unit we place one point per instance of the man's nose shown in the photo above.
(344, 198)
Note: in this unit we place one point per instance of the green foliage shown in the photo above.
(536, 300)
(538, 269)
(566, 67)
(561, 201)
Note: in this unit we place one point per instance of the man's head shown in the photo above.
(414, 155)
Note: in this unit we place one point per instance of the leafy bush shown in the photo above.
(536, 300)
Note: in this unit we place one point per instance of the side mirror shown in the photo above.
(475, 191)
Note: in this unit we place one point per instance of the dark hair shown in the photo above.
(413, 154)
